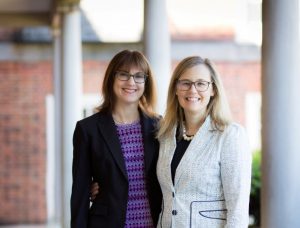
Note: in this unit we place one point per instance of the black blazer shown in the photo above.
(98, 157)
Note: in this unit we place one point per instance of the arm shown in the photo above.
(236, 176)
(81, 179)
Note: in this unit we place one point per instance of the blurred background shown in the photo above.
(53, 54)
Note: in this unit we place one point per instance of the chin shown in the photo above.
(131, 101)
(195, 110)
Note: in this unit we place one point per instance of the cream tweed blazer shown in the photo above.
(212, 181)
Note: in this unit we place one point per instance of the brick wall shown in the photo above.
(239, 79)
(93, 72)
(23, 89)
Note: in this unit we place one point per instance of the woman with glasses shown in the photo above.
(116, 148)
(204, 164)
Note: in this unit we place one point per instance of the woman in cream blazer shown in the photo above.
(204, 164)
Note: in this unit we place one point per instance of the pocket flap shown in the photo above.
(214, 209)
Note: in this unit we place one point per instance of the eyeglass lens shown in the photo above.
(138, 77)
(199, 85)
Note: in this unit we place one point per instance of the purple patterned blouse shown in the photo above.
(138, 213)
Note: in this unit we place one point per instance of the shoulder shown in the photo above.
(153, 120)
(234, 130)
(89, 120)
(235, 139)
(234, 136)
(93, 120)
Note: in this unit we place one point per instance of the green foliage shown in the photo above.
(256, 173)
(255, 187)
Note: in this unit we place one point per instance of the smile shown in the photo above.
(193, 99)
(129, 90)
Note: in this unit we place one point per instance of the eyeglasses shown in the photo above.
(200, 85)
(138, 77)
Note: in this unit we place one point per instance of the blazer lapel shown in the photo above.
(108, 130)
(166, 152)
(196, 148)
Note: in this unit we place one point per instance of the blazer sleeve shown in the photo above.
(236, 176)
(81, 179)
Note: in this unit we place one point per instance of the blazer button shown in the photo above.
(174, 212)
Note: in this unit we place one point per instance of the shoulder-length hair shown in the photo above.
(125, 60)
(217, 108)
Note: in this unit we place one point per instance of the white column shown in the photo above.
(54, 204)
(157, 43)
(71, 82)
(280, 114)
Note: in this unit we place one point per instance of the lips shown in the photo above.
(129, 90)
(192, 99)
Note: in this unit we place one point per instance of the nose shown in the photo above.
(131, 80)
(193, 88)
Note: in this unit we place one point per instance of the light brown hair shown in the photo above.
(217, 107)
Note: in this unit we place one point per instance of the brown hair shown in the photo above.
(125, 60)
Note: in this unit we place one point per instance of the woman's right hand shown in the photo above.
(94, 190)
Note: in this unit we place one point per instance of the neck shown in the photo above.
(193, 123)
(125, 114)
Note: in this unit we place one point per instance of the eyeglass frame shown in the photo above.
(191, 83)
(131, 75)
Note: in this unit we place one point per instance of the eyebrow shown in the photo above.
(193, 81)
(129, 72)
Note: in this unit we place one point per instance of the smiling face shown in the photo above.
(192, 100)
(128, 92)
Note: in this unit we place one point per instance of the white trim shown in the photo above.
(50, 158)
(253, 119)
(90, 102)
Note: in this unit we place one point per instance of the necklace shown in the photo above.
(119, 122)
(185, 136)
